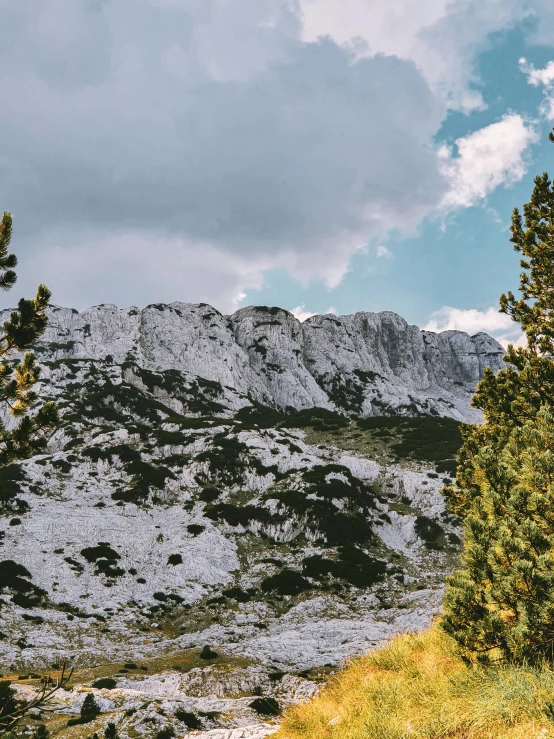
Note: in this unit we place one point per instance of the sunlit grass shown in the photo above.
(417, 687)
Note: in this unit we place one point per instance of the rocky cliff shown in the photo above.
(363, 364)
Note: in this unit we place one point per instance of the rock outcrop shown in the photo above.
(363, 364)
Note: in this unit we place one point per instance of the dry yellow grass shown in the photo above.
(416, 687)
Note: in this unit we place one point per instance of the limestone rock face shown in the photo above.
(363, 364)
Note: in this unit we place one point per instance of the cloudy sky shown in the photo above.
(319, 155)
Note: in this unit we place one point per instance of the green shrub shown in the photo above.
(41, 732)
(15, 577)
(237, 594)
(209, 494)
(286, 582)
(105, 682)
(266, 706)
(236, 515)
(8, 702)
(89, 711)
(167, 733)
(430, 531)
(111, 732)
(207, 653)
(102, 551)
(188, 718)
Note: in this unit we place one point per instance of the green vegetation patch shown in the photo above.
(353, 565)
(197, 395)
(209, 494)
(351, 523)
(317, 418)
(236, 515)
(107, 683)
(430, 532)
(238, 594)
(188, 718)
(424, 438)
(102, 551)
(227, 459)
(261, 416)
(105, 558)
(325, 519)
(346, 393)
(16, 577)
(116, 404)
(146, 475)
(286, 582)
(10, 477)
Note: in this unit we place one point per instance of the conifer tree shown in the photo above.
(24, 326)
(89, 709)
(41, 732)
(500, 605)
(111, 732)
(8, 702)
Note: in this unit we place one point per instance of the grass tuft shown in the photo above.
(417, 687)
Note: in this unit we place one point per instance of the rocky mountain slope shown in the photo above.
(363, 364)
(225, 481)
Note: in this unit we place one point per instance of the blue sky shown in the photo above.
(345, 155)
(465, 261)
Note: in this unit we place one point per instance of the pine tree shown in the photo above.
(111, 732)
(503, 598)
(8, 702)
(499, 605)
(89, 709)
(24, 326)
(41, 732)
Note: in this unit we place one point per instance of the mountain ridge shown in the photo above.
(359, 364)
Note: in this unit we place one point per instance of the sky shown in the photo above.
(318, 155)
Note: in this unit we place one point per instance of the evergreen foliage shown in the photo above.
(111, 732)
(266, 706)
(501, 604)
(26, 324)
(190, 719)
(8, 702)
(90, 709)
(41, 732)
(107, 683)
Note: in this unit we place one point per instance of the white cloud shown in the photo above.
(537, 77)
(98, 267)
(491, 157)
(442, 37)
(383, 253)
(543, 77)
(199, 126)
(205, 123)
(473, 321)
(302, 314)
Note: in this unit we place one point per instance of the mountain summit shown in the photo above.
(363, 364)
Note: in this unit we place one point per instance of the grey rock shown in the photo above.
(363, 364)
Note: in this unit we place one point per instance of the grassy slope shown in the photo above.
(416, 687)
